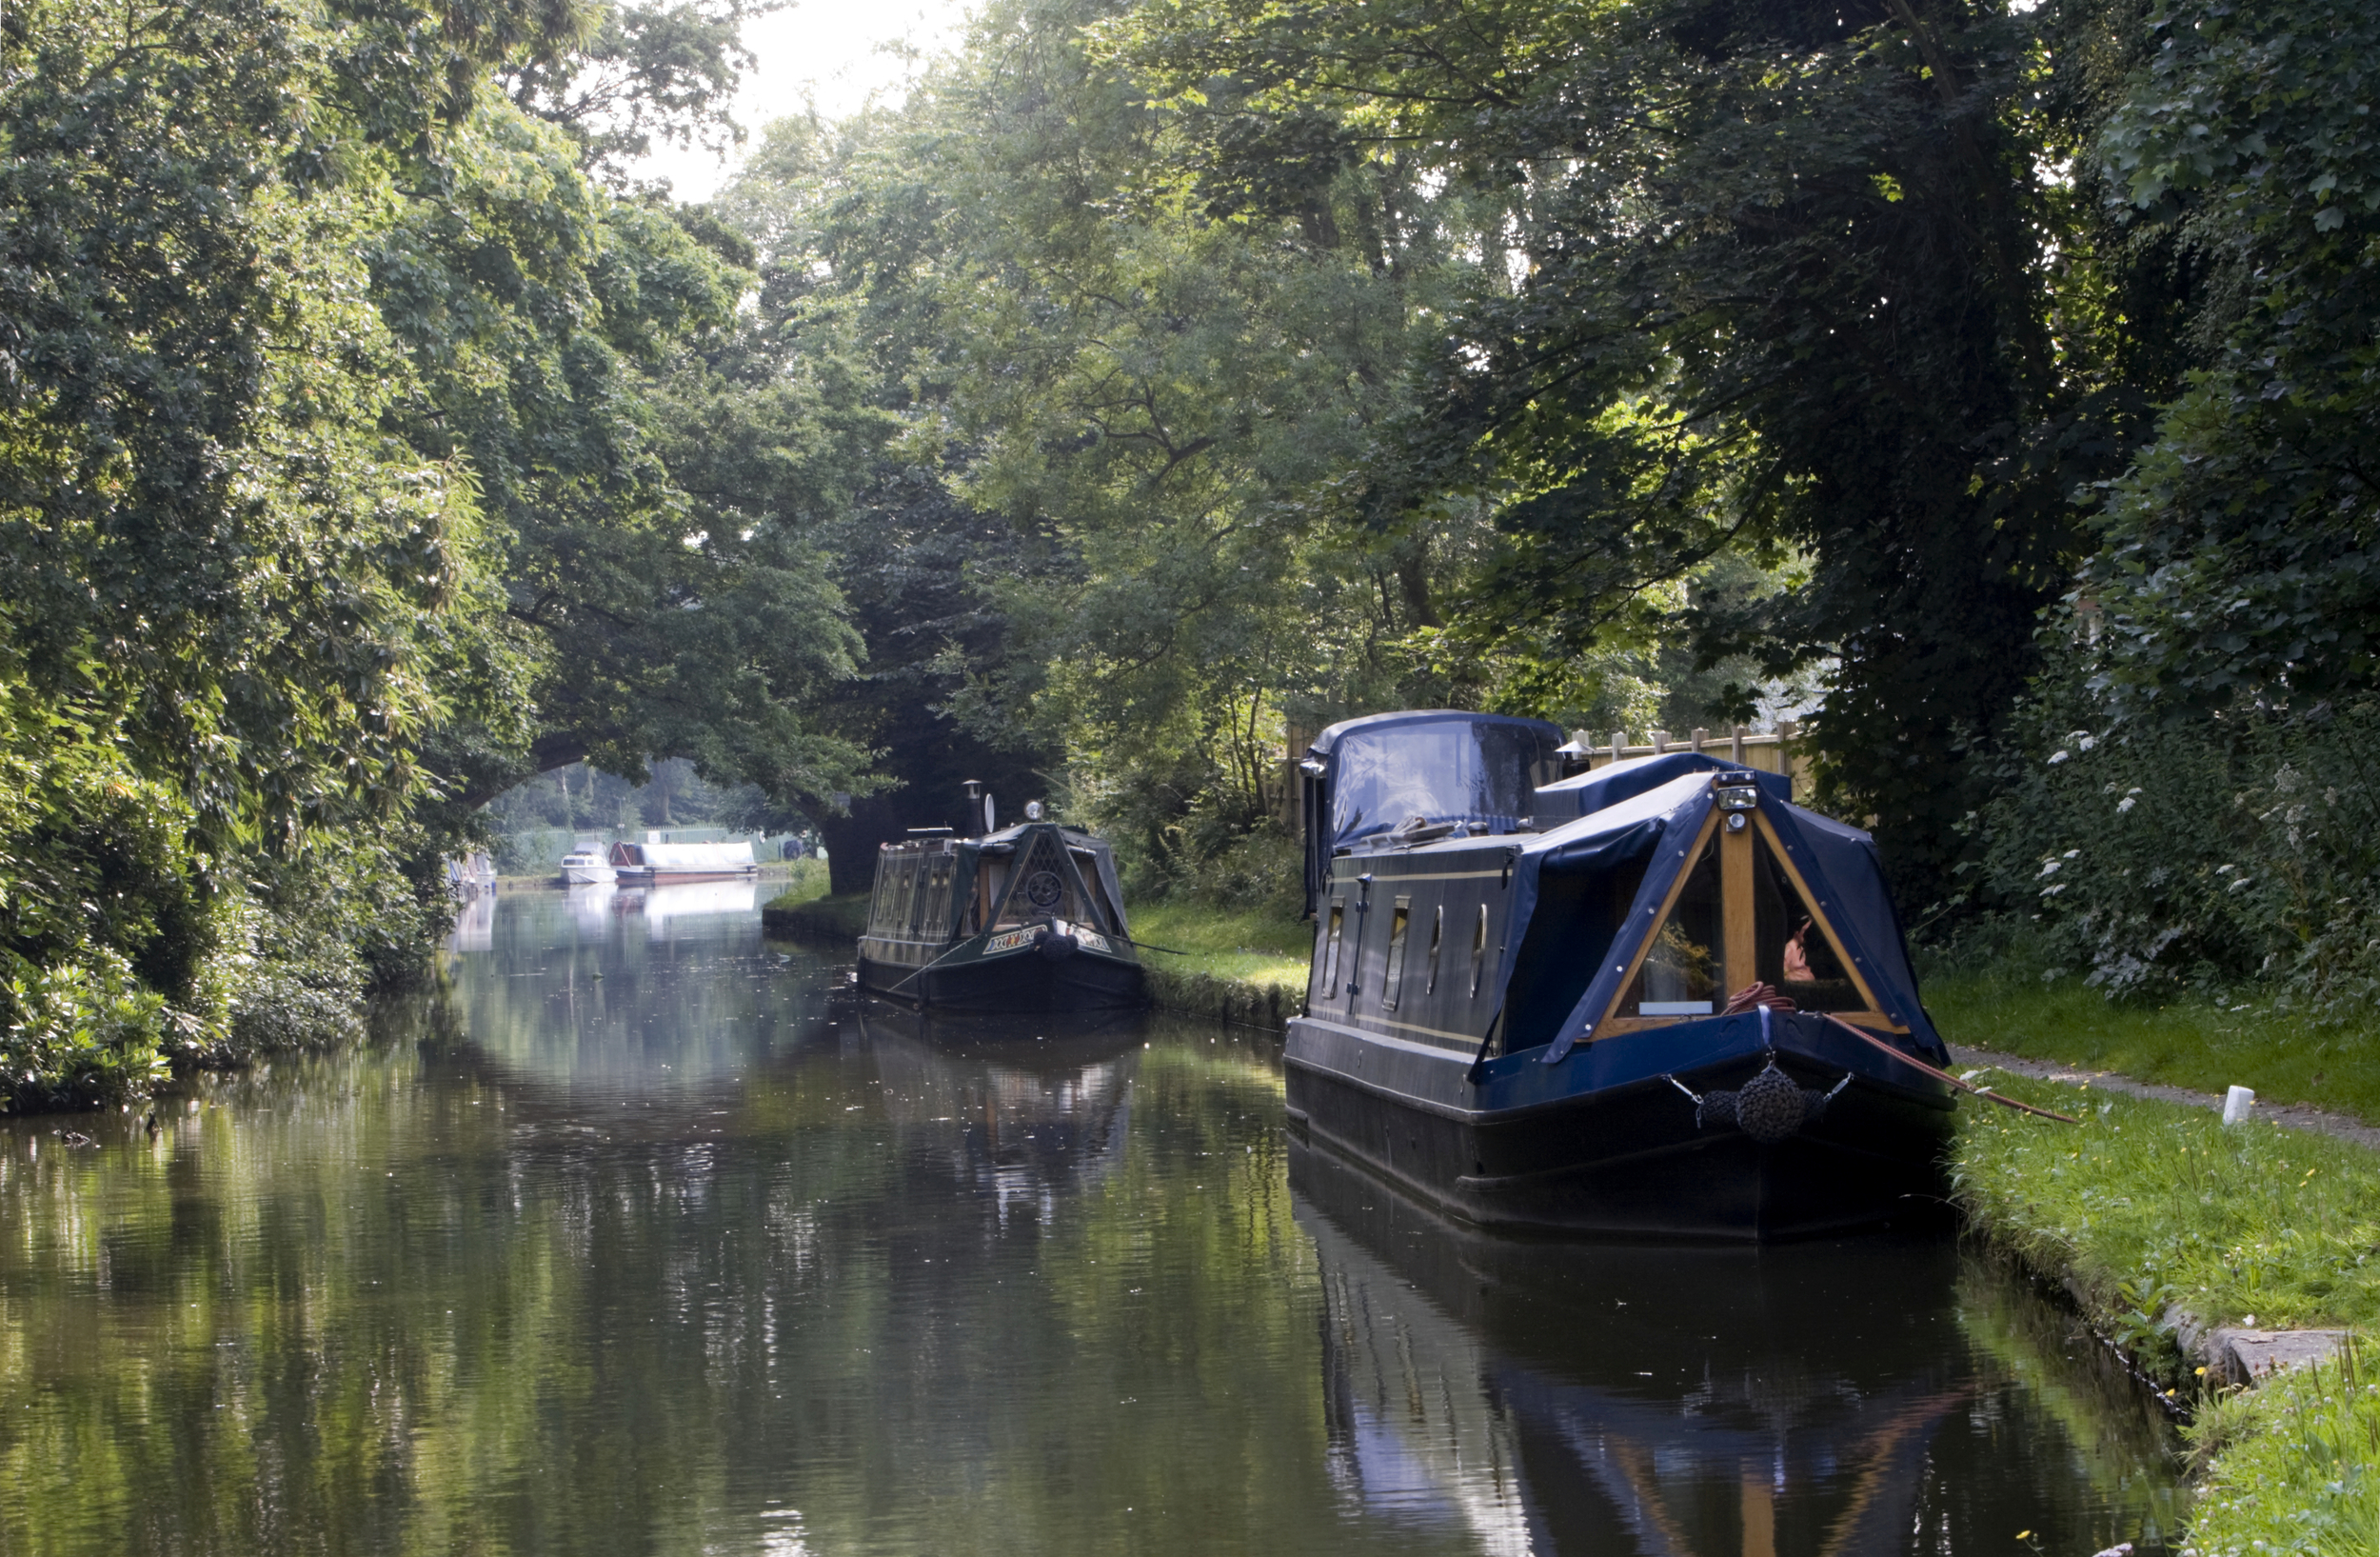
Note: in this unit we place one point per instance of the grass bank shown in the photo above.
(806, 911)
(2188, 1041)
(1247, 966)
(2155, 1215)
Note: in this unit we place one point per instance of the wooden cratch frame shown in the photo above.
(1738, 936)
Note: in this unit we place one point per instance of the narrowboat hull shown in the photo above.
(1034, 968)
(646, 875)
(1610, 1143)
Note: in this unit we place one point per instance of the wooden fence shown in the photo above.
(1777, 751)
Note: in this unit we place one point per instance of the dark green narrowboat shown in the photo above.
(1031, 918)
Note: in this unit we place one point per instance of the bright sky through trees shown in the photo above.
(830, 53)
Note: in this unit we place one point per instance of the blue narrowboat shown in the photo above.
(1657, 998)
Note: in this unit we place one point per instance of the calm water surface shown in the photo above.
(646, 1237)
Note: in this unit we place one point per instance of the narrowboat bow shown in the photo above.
(1668, 1003)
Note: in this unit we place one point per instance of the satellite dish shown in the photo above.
(991, 823)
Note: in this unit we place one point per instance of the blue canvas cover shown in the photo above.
(1366, 776)
(1440, 764)
(1658, 827)
(1587, 793)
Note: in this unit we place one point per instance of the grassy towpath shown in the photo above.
(2191, 1041)
(2164, 1224)
(805, 910)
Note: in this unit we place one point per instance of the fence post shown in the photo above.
(1660, 742)
(1702, 733)
(1735, 752)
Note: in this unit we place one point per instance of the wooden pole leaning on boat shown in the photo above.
(1753, 995)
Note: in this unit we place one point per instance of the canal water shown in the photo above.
(645, 1237)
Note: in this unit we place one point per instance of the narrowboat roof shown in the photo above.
(1607, 786)
(1016, 830)
(686, 856)
(1007, 841)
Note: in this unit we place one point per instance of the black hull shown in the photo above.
(1633, 1162)
(1026, 981)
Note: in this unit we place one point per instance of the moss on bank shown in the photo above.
(2192, 1040)
(2155, 1213)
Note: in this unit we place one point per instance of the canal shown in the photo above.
(644, 1236)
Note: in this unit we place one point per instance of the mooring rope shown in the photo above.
(1767, 998)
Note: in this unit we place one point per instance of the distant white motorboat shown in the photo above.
(587, 869)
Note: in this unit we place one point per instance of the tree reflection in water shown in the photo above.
(641, 1237)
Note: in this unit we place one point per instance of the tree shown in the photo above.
(231, 575)
(2240, 563)
(1775, 285)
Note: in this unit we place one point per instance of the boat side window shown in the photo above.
(1330, 947)
(1438, 937)
(1796, 952)
(1479, 951)
(1399, 922)
(1683, 972)
(929, 901)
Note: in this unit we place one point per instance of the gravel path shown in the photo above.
(2296, 1116)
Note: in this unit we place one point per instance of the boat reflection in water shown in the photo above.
(686, 901)
(1022, 1109)
(1858, 1399)
(474, 924)
(592, 906)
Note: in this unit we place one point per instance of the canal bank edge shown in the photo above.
(830, 920)
(2162, 1225)
(1175, 983)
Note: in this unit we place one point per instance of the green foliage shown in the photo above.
(81, 1032)
(2240, 562)
(1121, 516)
(2156, 856)
(1764, 281)
(804, 879)
(336, 490)
(642, 73)
(2188, 802)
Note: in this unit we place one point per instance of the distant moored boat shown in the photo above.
(652, 864)
(585, 868)
(1026, 918)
